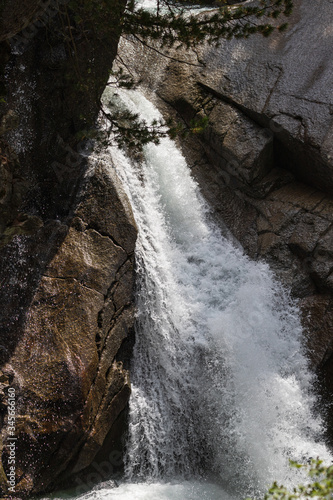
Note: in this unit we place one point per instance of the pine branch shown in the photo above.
(163, 53)
(190, 30)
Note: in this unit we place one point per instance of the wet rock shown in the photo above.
(9, 122)
(16, 15)
(13, 187)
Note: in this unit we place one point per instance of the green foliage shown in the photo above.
(320, 485)
(172, 24)
(97, 17)
(121, 79)
(129, 131)
(197, 126)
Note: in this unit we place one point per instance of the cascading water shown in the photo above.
(219, 379)
(221, 391)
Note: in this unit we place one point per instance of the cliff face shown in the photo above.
(265, 159)
(67, 238)
(70, 285)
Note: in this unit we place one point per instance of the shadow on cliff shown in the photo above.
(23, 261)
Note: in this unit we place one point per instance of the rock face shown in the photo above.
(16, 15)
(265, 160)
(65, 357)
(67, 239)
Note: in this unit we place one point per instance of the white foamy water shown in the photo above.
(185, 490)
(220, 385)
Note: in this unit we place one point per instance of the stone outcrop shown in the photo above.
(67, 238)
(265, 159)
(65, 357)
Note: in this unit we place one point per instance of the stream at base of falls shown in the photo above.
(221, 391)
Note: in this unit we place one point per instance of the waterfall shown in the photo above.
(220, 382)
(221, 390)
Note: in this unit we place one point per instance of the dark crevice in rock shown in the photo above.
(314, 101)
(290, 152)
(258, 118)
(266, 231)
(327, 230)
(70, 279)
(269, 95)
(107, 235)
(107, 316)
(106, 336)
(125, 351)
